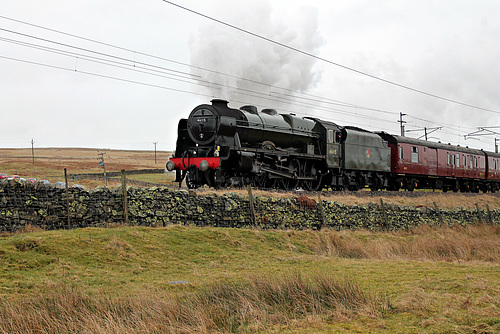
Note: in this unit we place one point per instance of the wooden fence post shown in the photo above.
(322, 211)
(252, 207)
(490, 218)
(479, 217)
(439, 213)
(67, 197)
(124, 194)
(384, 214)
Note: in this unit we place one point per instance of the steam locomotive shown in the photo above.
(221, 146)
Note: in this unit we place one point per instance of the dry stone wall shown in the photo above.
(47, 207)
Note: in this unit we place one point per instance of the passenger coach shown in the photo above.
(427, 165)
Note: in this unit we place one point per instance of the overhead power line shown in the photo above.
(103, 76)
(327, 60)
(91, 51)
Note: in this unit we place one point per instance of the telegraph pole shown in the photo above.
(401, 123)
(155, 150)
(33, 150)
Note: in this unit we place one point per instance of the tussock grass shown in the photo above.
(255, 304)
(424, 243)
(118, 280)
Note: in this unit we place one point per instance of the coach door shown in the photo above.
(432, 161)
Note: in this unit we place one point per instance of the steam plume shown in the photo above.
(255, 64)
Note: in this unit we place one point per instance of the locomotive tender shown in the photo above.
(221, 146)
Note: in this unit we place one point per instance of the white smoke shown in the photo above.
(256, 66)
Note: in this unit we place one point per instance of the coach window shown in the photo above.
(458, 160)
(475, 162)
(471, 159)
(449, 158)
(465, 160)
(400, 152)
(414, 154)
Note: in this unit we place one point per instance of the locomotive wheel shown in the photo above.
(377, 183)
(190, 182)
(410, 184)
(353, 187)
(310, 170)
(286, 183)
(294, 167)
(351, 181)
(260, 181)
(210, 177)
(283, 184)
(223, 180)
(394, 185)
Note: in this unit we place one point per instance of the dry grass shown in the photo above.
(28, 228)
(253, 305)
(418, 199)
(119, 281)
(425, 243)
(424, 199)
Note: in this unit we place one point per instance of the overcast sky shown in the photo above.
(120, 74)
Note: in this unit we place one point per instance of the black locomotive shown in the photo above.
(220, 146)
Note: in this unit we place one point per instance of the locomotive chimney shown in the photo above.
(219, 103)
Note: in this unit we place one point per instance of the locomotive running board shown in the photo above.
(281, 153)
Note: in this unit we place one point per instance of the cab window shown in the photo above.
(330, 136)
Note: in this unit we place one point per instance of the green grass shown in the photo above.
(416, 286)
(163, 178)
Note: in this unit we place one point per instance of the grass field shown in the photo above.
(187, 279)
